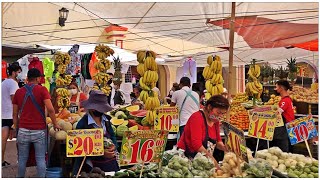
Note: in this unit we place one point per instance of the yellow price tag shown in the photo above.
(262, 125)
(168, 119)
(85, 142)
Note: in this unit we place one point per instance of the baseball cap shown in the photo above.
(34, 73)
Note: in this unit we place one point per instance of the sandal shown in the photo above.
(5, 164)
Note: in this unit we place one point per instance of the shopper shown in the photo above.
(280, 137)
(76, 96)
(8, 88)
(117, 96)
(202, 131)
(187, 102)
(96, 106)
(30, 102)
(135, 100)
(175, 87)
(111, 85)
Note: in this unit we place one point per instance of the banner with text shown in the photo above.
(143, 146)
(301, 129)
(84, 142)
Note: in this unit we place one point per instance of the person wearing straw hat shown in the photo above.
(96, 107)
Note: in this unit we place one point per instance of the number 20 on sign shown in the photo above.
(261, 126)
(85, 142)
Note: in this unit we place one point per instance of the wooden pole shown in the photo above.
(84, 159)
(231, 40)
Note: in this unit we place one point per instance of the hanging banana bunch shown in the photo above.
(148, 70)
(213, 76)
(102, 65)
(63, 80)
(254, 87)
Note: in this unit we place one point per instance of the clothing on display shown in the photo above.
(36, 63)
(85, 60)
(74, 67)
(48, 66)
(4, 66)
(93, 71)
(24, 63)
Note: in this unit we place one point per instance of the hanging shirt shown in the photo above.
(24, 63)
(74, 67)
(85, 60)
(4, 66)
(36, 63)
(48, 66)
(93, 71)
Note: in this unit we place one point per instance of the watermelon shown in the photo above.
(132, 122)
(139, 113)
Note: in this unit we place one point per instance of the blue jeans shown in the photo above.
(25, 139)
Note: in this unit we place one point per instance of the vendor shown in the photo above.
(96, 106)
(202, 131)
(76, 97)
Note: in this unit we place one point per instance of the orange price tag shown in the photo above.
(85, 142)
(262, 125)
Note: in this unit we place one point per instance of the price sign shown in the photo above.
(83, 142)
(168, 119)
(73, 108)
(262, 125)
(301, 129)
(143, 146)
(235, 140)
(270, 109)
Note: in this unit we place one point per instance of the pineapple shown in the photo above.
(117, 77)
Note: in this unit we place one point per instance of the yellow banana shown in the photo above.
(257, 70)
(143, 85)
(217, 58)
(205, 72)
(210, 60)
(213, 79)
(207, 96)
(141, 70)
(252, 90)
(219, 68)
(141, 56)
(213, 66)
(207, 86)
(220, 88)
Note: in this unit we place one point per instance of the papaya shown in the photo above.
(133, 108)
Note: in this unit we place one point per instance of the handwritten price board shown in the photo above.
(143, 146)
(235, 140)
(301, 129)
(270, 109)
(168, 119)
(262, 125)
(83, 142)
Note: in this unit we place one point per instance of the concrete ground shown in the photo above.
(12, 158)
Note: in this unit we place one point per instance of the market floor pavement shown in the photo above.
(11, 157)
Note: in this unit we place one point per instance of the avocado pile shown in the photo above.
(149, 171)
(308, 171)
(95, 173)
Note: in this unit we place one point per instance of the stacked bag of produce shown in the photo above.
(176, 165)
